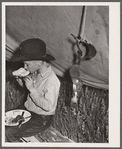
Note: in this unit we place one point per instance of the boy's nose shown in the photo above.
(25, 66)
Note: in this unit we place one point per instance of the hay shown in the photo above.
(86, 121)
(15, 95)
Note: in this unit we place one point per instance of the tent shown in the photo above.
(55, 24)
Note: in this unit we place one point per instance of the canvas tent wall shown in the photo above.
(54, 24)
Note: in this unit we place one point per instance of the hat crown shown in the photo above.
(33, 46)
(32, 49)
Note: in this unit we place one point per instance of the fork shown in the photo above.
(20, 121)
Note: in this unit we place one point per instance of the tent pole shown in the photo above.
(82, 23)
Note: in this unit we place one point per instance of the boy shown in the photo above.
(42, 84)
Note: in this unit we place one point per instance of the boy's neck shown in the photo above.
(43, 68)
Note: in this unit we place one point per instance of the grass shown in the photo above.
(86, 121)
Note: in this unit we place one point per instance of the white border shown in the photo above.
(114, 73)
(3, 71)
(58, 3)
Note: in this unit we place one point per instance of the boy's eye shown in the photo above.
(26, 65)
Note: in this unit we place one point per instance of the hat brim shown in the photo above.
(20, 58)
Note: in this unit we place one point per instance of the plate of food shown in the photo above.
(14, 117)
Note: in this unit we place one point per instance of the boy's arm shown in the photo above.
(45, 100)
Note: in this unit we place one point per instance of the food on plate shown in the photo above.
(8, 120)
(18, 118)
(21, 72)
(11, 120)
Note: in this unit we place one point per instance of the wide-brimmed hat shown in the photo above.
(32, 49)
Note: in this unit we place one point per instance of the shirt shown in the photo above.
(43, 100)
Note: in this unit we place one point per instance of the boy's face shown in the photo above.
(31, 66)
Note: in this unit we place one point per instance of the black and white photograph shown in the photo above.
(60, 74)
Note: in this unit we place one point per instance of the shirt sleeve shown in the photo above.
(45, 100)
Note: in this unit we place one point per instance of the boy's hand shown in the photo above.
(29, 83)
(19, 80)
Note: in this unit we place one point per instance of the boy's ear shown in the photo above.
(39, 63)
